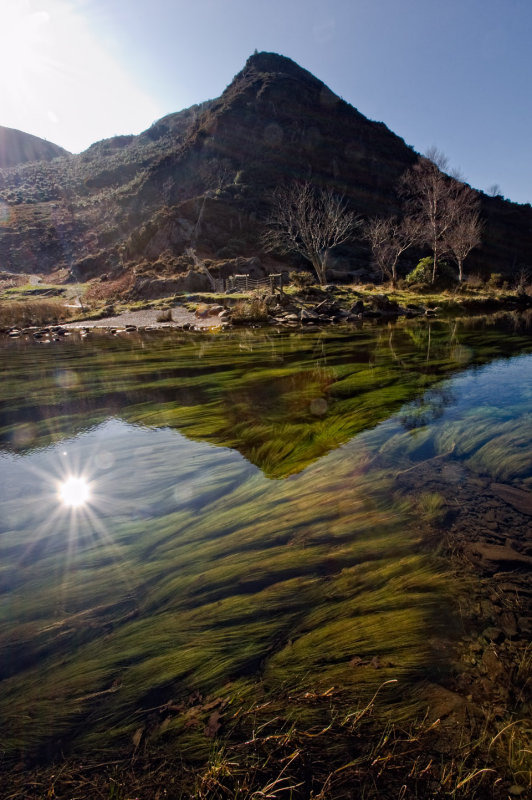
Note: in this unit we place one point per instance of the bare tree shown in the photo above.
(389, 239)
(464, 235)
(436, 201)
(309, 221)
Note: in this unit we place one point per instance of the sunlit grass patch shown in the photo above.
(25, 313)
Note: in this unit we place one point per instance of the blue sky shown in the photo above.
(454, 74)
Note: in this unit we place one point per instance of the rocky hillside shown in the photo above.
(203, 177)
(17, 148)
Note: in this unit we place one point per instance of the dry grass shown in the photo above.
(265, 754)
(164, 316)
(32, 312)
(246, 311)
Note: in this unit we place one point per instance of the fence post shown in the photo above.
(280, 283)
(247, 283)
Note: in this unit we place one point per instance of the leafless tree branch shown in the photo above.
(308, 221)
(437, 201)
(463, 237)
(389, 239)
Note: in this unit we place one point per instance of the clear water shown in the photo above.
(260, 521)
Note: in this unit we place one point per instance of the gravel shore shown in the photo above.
(148, 318)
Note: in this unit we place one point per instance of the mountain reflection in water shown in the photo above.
(258, 522)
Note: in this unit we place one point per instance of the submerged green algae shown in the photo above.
(191, 570)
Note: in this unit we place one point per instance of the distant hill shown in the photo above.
(203, 176)
(17, 148)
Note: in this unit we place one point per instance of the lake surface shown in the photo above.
(255, 517)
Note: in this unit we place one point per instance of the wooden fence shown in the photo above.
(244, 283)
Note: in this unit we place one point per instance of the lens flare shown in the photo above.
(74, 492)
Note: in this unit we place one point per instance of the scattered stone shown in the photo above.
(493, 634)
(519, 499)
(443, 702)
(492, 556)
(516, 791)
(381, 302)
(213, 725)
(492, 664)
(508, 624)
(525, 625)
(322, 307)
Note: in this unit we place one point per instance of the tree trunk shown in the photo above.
(460, 270)
(319, 269)
(435, 264)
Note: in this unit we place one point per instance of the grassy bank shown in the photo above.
(42, 304)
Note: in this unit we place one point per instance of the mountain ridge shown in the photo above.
(18, 147)
(203, 176)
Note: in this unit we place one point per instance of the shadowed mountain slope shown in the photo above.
(203, 177)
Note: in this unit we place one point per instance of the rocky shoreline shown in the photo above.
(489, 542)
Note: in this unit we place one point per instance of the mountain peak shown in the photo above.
(275, 63)
(205, 175)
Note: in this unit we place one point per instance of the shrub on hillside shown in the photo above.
(422, 273)
(495, 280)
(474, 281)
(302, 280)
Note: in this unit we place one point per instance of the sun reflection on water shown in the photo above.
(74, 491)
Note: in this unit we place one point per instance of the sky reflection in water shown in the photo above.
(225, 537)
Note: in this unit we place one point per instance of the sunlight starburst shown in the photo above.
(74, 492)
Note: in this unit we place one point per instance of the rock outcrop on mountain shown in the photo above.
(17, 147)
(203, 177)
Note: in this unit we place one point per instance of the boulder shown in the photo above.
(494, 556)
(380, 302)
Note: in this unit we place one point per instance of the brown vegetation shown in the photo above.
(248, 311)
(109, 290)
(164, 316)
(26, 313)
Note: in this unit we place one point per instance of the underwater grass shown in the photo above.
(276, 564)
